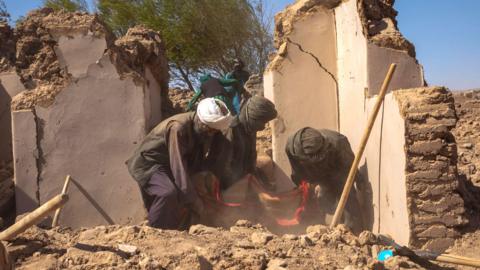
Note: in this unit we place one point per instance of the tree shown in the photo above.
(200, 35)
(4, 15)
(68, 5)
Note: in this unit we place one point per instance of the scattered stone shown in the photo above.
(261, 237)
(129, 249)
(243, 223)
(367, 238)
(201, 229)
(306, 241)
(290, 237)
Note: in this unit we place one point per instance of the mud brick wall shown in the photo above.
(435, 208)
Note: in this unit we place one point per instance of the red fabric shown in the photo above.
(296, 218)
(301, 191)
(218, 196)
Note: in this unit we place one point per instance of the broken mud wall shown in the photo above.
(365, 42)
(301, 72)
(467, 134)
(89, 101)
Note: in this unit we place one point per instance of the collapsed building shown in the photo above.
(332, 58)
(80, 103)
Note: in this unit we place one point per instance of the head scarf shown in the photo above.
(307, 144)
(214, 113)
(256, 112)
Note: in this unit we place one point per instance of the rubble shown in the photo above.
(214, 248)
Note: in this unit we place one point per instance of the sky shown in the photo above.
(446, 35)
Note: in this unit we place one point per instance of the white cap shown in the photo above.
(214, 113)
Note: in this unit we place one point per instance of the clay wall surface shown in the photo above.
(302, 72)
(84, 115)
(435, 207)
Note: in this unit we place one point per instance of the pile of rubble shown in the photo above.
(243, 246)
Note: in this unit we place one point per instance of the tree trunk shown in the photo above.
(185, 77)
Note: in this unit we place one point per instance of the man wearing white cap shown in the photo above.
(169, 155)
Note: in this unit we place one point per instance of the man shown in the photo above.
(224, 89)
(323, 159)
(233, 154)
(169, 155)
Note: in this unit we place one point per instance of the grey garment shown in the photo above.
(172, 144)
(328, 166)
(232, 155)
(256, 112)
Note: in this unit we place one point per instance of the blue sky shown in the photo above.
(446, 34)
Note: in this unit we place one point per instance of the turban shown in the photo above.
(214, 113)
(307, 144)
(256, 112)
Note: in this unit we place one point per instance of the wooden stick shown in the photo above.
(34, 217)
(64, 191)
(450, 258)
(363, 143)
(5, 262)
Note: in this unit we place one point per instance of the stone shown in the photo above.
(243, 223)
(129, 249)
(467, 145)
(261, 238)
(306, 241)
(290, 237)
(201, 229)
(367, 238)
(275, 263)
(320, 229)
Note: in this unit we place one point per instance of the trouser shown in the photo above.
(162, 201)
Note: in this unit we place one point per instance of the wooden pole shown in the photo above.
(455, 259)
(5, 263)
(64, 191)
(363, 143)
(34, 217)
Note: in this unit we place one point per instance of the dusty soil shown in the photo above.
(243, 246)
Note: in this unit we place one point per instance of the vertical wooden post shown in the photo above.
(363, 143)
(64, 191)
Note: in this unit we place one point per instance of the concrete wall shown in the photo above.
(298, 84)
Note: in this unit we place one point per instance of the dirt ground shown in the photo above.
(243, 246)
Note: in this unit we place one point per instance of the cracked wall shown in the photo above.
(83, 114)
(362, 42)
(291, 87)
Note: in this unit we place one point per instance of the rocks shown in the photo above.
(261, 238)
(129, 249)
(367, 238)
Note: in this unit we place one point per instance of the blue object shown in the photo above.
(384, 255)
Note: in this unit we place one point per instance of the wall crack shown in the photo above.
(39, 154)
(299, 46)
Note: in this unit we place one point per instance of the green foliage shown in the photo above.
(68, 5)
(200, 35)
(4, 15)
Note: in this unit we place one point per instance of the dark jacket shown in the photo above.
(232, 155)
(172, 145)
